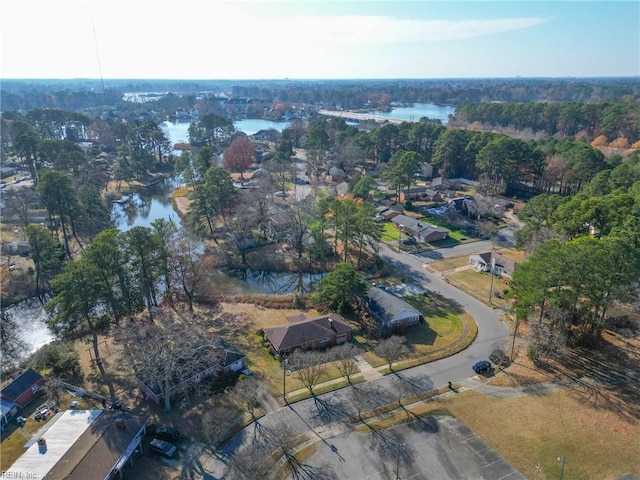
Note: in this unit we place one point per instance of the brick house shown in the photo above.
(308, 333)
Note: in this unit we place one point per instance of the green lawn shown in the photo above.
(442, 327)
(390, 233)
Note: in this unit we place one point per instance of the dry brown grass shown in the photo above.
(535, 429)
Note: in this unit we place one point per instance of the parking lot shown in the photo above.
(437, 448)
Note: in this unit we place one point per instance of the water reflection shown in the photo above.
(140, 209)
(238, 282)
(32, 318)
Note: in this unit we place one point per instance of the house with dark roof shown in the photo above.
(419, 230)
(493, 262)
(23, 389)
(439, 183)
(305, 333)
(391, 312)
(82, 445)
(420, 193)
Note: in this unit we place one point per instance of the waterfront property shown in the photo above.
(308, 333)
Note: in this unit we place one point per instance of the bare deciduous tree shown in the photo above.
(362, 398)
(391, 349)
(309, 366)
(246, 394)
(343, 358)
(250, 463)
(169, 356)
(219, 422)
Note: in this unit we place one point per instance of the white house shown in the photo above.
(493, 262)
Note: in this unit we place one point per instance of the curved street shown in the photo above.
(323, 415)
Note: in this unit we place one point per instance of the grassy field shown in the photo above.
(449, 263)
(534, 430)
(479, 284)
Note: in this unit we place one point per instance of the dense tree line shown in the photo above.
(78, 94)
(586, 257)
(563, 119)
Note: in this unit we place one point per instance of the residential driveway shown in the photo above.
(437, 448)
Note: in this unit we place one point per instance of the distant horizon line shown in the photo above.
(517, 77)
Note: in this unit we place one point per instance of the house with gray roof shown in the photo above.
(391, 312)
(419, 230)
(305, 333)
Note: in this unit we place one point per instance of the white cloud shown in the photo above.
(388, 30)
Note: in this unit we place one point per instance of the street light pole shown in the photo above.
(284, 379)
(398, 445)
(562, 459)
(399, 235)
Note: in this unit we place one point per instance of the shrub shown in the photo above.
(60, 358)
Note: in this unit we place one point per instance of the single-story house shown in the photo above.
(223, 358)
(420, 193)
(391, 312)
(24, 388)
(302, 332)
(419, 230)
(433, 234)
(82, 445)
(440, 183)
(493, 262)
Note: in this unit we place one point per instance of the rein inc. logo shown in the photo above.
(19, 475)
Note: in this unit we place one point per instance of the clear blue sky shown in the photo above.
(218, 39)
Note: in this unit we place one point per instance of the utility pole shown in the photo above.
(284, 379)
(563, 460)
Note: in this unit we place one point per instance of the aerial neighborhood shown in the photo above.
(272, 279)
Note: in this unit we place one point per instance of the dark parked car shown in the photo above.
(163, 448)
(167, 433)
(483, 366)
(409, 241)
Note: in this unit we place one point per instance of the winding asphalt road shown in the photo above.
(328, 409)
